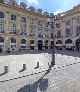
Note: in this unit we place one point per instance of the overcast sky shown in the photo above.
(52, 6)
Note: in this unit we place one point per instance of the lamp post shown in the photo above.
(51, 21)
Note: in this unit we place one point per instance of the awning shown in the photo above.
(58, 44)
(12, 43)
(69, 45)
(23, 44)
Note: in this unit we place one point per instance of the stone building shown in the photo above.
(67, 32)
(23, 28)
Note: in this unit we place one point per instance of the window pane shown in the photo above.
(1, 15)
(23, 20)
(13, 17)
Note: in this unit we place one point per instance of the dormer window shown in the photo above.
(13, 4)
(1, 15)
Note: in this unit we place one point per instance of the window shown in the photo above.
(13, 4)
(78, 30)
(13, 40)
(68, 23)
(51, 35)
(23, 20)
(23, 41)
(46, 24)
(13, 17)
(13, 28)
(58, 25)
(23, 30)
(46, 33)
(32, 41)
(32, 21)
(40, 33)
(1, 39)
(59, 34)
(68, 32)
(1, 27)
(78, 20)
(32, 30)
(1, 15)
(40, 23)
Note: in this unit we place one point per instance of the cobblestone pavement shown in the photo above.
(63, 77)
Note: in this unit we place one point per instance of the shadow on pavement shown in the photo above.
(25, 52)
(68, 53)
(41, 84)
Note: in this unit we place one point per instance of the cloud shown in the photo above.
(30, 2)
(19, 1)
(68, 4)
(58, 11)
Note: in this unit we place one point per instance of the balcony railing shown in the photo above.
(12, 32)
(23, 33)
(40, 35)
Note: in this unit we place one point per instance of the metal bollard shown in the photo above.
(24, 66)
(6, 69)
(37, 64)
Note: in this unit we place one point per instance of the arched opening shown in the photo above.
(31, 44)
(13, 44)
(1, 44)
(59, 44)
(46, 44)
(23, 44)
(69, 45)
(40, 44)
(78, 44)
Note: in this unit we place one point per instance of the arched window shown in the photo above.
(59, 42)
(68, 41)
(1, 14)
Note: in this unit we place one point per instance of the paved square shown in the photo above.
(63, 77)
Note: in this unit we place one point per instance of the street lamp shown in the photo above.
(52, 21)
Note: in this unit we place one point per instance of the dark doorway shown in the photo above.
(78, 44)
(40, 45)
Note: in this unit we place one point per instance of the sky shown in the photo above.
(52, 6)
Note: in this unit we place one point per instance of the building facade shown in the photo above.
(22, 28)
(67, 31)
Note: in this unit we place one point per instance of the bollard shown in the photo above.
(37, 64)
(76, 58)
(68, 57)
(24, 66)
(5, 69)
